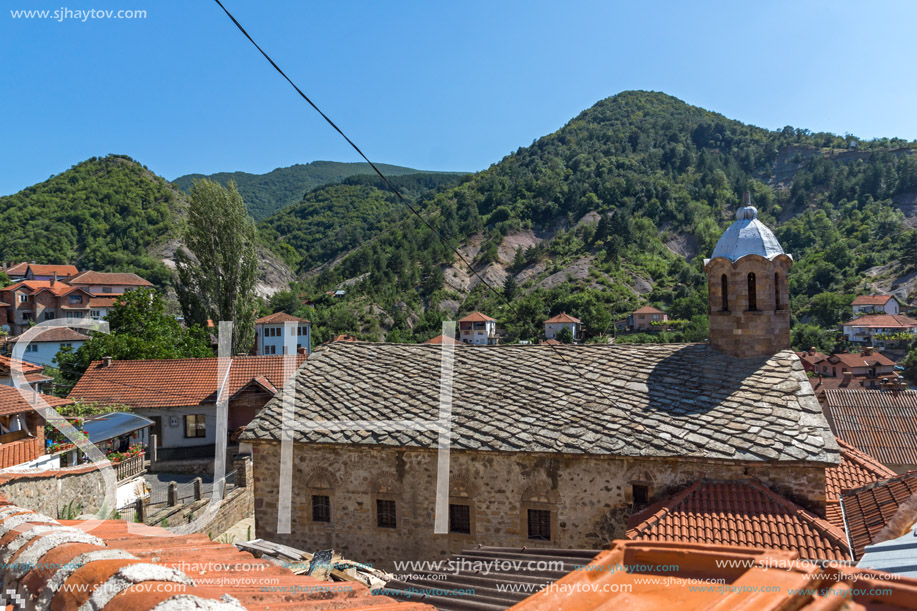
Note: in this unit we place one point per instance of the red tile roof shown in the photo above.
(882, 320)
(477, 317)
(861, 360)
(59, 288)
(59, 334)
(15, 453)
(739, 513)
(812, 356)
(648, 310)
(146, 566)
(12, 402)
(7, 365)
(17, 270)
(442, 339)
(872, 300)
(562, 317)
(114, 279)
(173, 383)
(551, 342)
(856, 469)
(102, 302)
(63, 271)
(279, 317)
(626, 577)
(868, 510)
(881, 423)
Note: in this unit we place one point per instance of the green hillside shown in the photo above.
(618, 208)
(265, 194)
(103, 214)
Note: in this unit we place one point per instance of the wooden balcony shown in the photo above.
(131, 467)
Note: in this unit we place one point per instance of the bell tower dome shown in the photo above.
(748, 299)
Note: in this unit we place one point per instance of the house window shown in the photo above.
(23, 298)
(196, 425)
(385, 514)
(66, 345)
(106, 289)
(96, 314)
(752, 293)
(641, 494)
(539, 524)
(31, 348)
(460, 519)
(74, 315)
(777, 292)
(75, 299)
(321, 508)
(724, 287)
(49, 315)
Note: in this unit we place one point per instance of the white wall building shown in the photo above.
(875, 304)
(269, 334)
(478, 329)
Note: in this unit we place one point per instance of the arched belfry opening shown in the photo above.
(748, 296)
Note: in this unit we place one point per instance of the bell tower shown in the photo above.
(748, 298)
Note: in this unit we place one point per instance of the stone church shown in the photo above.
(551, 446)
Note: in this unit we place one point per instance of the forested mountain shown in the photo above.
(265, 194)
(616, 209)
(105, 214)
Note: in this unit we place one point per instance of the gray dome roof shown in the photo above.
(747, 236)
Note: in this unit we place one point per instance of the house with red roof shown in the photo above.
(33, 271)
(34, 374)
(478, 329)
(439, 340)
(556, 324)
(643, 318)
(875, 304)
(43, 348)
(180, 395)
(105, 283)
(871, 327)
(34, 301)
(277, 334)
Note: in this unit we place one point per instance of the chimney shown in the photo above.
(106, 361)
(847, 378)
(812, 351)
(867, 351)
(53, 280)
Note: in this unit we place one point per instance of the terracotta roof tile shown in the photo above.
(7, 365)
(861, 360)
(199, 570)
(59, 288)
(868, 510)
(58, 334)
(477, 317)
(648, 310)
(11, 401)
(872, 300)
(115, 279)
(754, 579)
(856, 469)
(102, 302)
(173, 383)
(63, 271)
(635, 397)
(442, 339)
(882, 320)
(739, 513)
(562, 317)
(17, 452)
(881, 423)
(279, 317)
(17, 270)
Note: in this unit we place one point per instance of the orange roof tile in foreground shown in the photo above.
(17, 452)
(66, 565)
(279, 317)
(870, 509)
(752, 579)
(12, 402)
(739, 513)
(173, 383)
(562, 317)
(856, 469)
(477, 317)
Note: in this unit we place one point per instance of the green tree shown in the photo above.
(217, 280)
(565, 336)
(509, 287)
(4, 280)
(139, 328)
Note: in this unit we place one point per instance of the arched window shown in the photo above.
(777, 290)
(724, 289)
(752, 293)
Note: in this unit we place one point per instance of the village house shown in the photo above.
(34, 301)
(478, 329)
(643, 318)
(270, 338)
(22, 429)
(105, 283)
(43, 348)
(875, 304)
(848, 370)
(33, 374)
(549, 451)
(180, 395)
(32, 271)
(871, 328)
(554, 325)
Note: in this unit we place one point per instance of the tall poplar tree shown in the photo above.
(217, 279)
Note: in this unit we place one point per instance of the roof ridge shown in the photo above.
(883, 482)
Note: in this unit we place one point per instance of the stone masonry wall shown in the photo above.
(49, 492)
(589, 496)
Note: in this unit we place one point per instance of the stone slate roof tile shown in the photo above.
(525, 398)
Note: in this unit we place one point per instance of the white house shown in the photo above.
(43, 349)
(555, 325)
(865, 328)
(478, 329)
(875, 304)
(269, 337)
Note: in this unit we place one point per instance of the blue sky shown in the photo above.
(432, 85)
